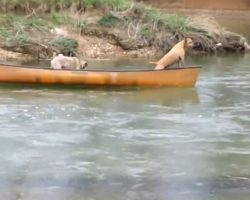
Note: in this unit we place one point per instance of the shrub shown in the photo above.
(67, 43)
(107, 21)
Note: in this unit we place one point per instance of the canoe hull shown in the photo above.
(180, 77)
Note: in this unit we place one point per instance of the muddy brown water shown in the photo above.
(133, 143)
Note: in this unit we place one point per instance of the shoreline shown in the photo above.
(136, 32)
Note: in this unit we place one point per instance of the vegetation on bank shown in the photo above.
(147, 27)
(59, 5)
(124, 23)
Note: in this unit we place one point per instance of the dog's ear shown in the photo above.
(185, 42)
(186, 39)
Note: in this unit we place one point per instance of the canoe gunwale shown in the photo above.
(97, 70)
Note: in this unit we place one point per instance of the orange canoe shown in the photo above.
(184, 76)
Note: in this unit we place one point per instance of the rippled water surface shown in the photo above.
(138, 144)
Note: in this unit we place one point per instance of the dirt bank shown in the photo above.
(218, 5)
(134, 31)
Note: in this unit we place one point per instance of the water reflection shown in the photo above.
(165, 96)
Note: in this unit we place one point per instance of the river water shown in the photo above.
(131, 143)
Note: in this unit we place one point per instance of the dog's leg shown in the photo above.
(159, 67)
(55, 65)
(181, 61)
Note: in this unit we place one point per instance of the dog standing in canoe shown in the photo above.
(176, 54)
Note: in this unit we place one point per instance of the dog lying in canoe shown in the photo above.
(65, 62)
(176, 54)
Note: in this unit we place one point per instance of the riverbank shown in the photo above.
(104, 31)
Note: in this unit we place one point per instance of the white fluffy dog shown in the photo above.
(64, 62)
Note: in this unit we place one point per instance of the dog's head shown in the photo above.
(83, 64)
(188, 42)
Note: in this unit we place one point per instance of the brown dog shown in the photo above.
(64, 62)
(176, 54)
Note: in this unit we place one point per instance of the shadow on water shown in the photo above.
(165, 96)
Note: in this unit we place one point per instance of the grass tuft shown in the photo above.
(67, 43)
(108, 21)
(57, 5)
(15, 28)
(60, 19)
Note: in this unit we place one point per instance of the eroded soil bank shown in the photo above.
(104, 32)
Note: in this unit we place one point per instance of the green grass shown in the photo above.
(60, 19)
(119, 3)
(145, 31)
(65, 42)
(20, 39)
(14, 28)
(51, 5)
(13, 21)
(35, 22)
(173, 22)
(107, 21)
(177, 23)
